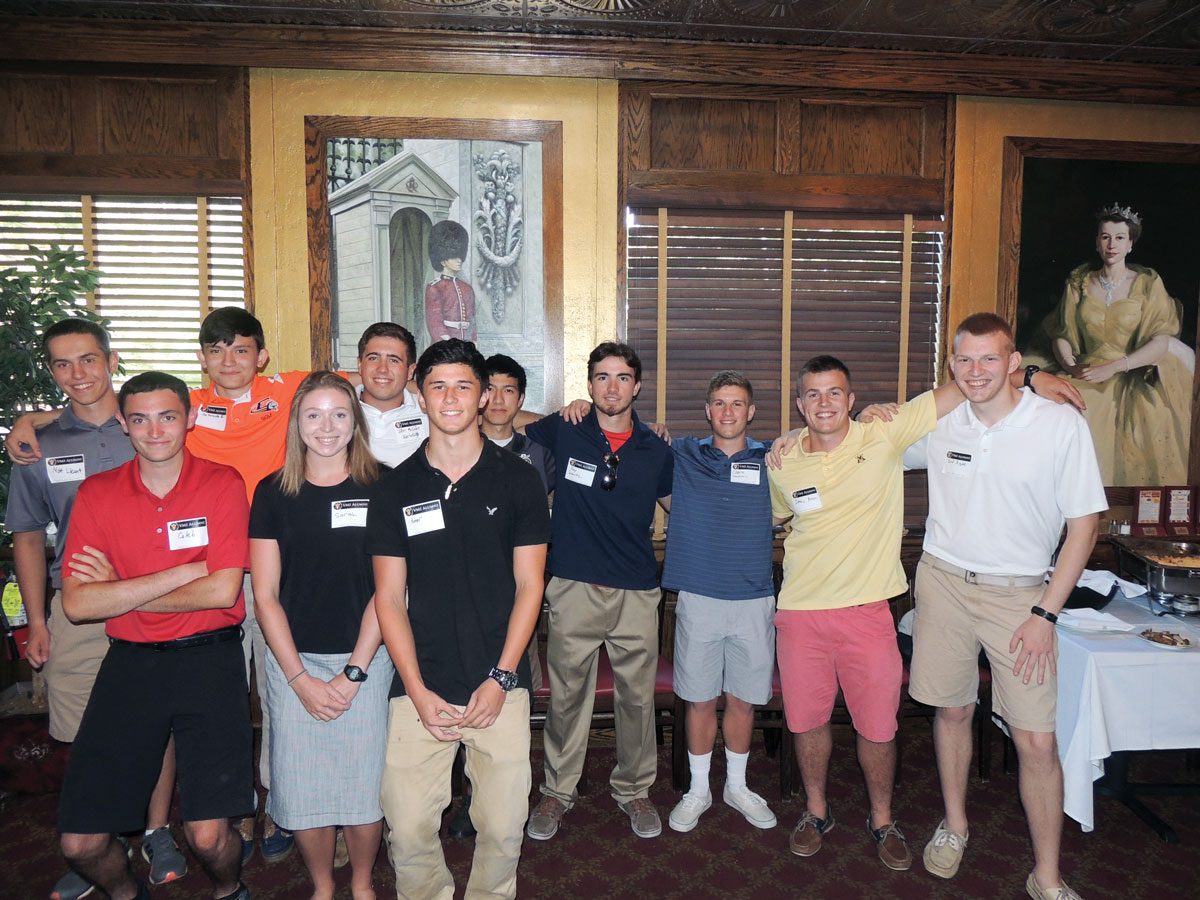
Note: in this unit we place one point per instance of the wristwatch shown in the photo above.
(1030, 371)
(507, 680)
(355, 674)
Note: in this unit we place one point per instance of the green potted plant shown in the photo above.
(49, 285)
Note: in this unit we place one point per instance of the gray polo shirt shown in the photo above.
(45, 491)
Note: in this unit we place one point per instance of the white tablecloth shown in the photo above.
(1118, 692)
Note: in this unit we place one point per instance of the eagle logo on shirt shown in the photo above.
(491, 510)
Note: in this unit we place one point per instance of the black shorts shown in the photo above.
(140, 699)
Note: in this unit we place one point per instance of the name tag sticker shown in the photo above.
(348, 513)
(212, 417)
(581, 472)
(411, 430)
(957, 463)
(423, 517)
(745, 473)
(185, 533)
(805, 500)
(60, 469)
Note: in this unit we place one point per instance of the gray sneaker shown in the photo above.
(166, 862)
(643, 817)
(545, 818)
(71, 886)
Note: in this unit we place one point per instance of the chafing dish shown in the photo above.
(1169, 569)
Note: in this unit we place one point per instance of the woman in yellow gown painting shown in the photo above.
(1116, 331)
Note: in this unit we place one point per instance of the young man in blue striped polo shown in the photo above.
(719, 560)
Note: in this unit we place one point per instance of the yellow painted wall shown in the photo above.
(981, 125)
(279, 101)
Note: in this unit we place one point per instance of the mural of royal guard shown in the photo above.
(449, 301)
(1117, 333)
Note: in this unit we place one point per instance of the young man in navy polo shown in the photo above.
(725, 618)
(612, 470)
(460, 527)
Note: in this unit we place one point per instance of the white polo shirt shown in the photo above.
(395, 434)
(999, 496)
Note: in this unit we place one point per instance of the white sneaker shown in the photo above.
(750, 805)
(687, 812)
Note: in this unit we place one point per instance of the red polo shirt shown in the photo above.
(204, 517)
(248, 433)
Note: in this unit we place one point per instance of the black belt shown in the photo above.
(220, 636)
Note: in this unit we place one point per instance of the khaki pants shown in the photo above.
(76, 652)
(582, 617)
(416, 789)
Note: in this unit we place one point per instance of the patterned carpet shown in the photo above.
(596, 855)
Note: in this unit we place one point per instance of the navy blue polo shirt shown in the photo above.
(719, 537)
(597, 536)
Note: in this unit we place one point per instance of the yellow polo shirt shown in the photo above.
(848, 512)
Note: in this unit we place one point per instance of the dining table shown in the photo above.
(1117, 693)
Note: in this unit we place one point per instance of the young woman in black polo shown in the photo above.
(313, 588)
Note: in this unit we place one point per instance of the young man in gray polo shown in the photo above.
(725, 618)
(85, 440)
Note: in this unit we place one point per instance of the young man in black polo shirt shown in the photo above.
(612, 469)
(462, 525)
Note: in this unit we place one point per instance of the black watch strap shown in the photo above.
(1030, 371)
(1045, 614)
(355, 674)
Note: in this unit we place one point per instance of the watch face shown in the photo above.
(354, 673)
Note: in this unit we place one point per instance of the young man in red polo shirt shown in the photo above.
(156, 550)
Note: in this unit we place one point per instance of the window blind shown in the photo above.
(165, 262)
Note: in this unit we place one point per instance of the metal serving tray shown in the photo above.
(1176, 587)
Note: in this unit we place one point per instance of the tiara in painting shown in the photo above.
(1124, 212)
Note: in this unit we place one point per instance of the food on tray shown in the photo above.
(1178, 562)
(1169, 638)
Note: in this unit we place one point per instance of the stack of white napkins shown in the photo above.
(1101, 582)
(1092, 620)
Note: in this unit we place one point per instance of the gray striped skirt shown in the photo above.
(327, 773)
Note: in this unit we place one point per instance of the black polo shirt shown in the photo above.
(603, 537)
(458, 542)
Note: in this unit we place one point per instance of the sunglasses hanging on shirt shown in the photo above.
(609, 481)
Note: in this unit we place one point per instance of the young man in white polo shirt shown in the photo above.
(1006, 470)
(387, 356)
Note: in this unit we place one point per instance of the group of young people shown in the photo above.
(396, 549)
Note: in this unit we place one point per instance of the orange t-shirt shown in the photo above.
(249, 433)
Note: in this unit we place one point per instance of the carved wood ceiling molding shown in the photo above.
(1137, 31)
(1134, 51)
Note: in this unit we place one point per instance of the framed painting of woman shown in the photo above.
(1099, 273)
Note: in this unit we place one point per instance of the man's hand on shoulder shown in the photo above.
(484, 706)
(882, 412)
(22, 443)
(661, 430)
(781, 447)
(1057, 389)
(576, 411)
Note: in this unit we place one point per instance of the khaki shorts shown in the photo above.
(76, 652)
(953, 620)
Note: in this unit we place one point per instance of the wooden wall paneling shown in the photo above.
(948, 214)
(857, 139)
(935, 125)
(396, 49)
(788, 128)
(36, 107)
(717, 190)
(712, 133)
(635, 109)
(160, 115)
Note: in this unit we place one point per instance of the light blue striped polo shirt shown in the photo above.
(719, 536)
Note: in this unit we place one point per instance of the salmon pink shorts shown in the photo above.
(854, 648)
